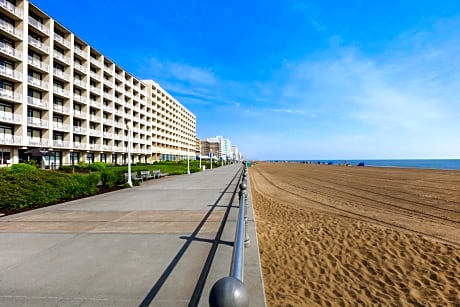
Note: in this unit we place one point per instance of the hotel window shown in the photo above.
(36, 17)
(34, 94)
(77, 107)
(35, 36)
(58, 67)
(6, 64)
(74, 158)
(77, 123)
(103, 157)
(58, 103)
(35, 75)
(92, 126)
(58, 84)
(5, 85)
(34, 133)
(58, 119)
(58, 136)
(76, 138)
(6, 107)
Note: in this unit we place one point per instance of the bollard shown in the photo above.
(229, 292)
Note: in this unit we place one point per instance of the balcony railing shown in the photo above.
(95, 76)
(61, 57)
(10, 117)
(10, 29)
(94, 103)
(81, 130)
(60, 91)
(94, 132)
(80, 52)
(61, 40)
(79, 82)
(38, 25)
(61, 126)
(79, 67)
(10, 95)
(95, 118)
(59, 108)
(79, 98)
(95, 61)
(79, 113)
(38, 44)
(37, 63)
(36, 101)
(37, 82)
(6, 49)
(11, 8)
(37, 142)
(94, 146)
(107, 134)
(37, 122)
(61, 74)
(8, 72)
(78, 145)
(60, 143)
(10, 139)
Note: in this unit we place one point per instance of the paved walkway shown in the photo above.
(163, 243)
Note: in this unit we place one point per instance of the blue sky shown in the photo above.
(294, 79)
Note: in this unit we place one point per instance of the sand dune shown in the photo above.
(338, 236)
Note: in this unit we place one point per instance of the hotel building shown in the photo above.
(61, 94)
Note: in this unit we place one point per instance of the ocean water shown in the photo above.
(452, 164)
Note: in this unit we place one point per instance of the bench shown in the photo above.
(145, 175)
(134, 176)
(156, 173)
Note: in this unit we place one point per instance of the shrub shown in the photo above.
(109, 178)
(97, 166)
(20, 167)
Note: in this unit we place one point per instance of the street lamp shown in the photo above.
(188, 161)
(130, 183)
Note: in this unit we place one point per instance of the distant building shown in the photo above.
(209, 146)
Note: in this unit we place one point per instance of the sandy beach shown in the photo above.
(357, 236)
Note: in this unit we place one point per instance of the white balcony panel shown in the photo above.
(37, 142)
(36, 101)
(38, 25)
(11, 8)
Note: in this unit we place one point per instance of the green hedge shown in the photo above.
(39, 187)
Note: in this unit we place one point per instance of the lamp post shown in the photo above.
(130, 183)
(188, 161)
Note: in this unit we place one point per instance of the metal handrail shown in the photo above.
(230, 291)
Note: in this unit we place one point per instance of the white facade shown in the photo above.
(225, 147)
(59, 93)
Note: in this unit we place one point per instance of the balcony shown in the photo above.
(38, 44)
(108, 96)
(80, 53)
(9, 95)
(79, 98)
(6, 139)
(61, 40)
(79, 114)
(80, 130)
(94, 146)
(10, 73)
(107, 108)
(37, 122)
(10, 51)
(95, 90)
(61, 126)
(107, 134)
(118, 137)
(37, 142)
(93, 132)
(107, 121)
(64, 59)
(78, 145)
(94, 103)
(107, 147)
(38, 25)
(79, 82)
(36, 102)
(9, 117)
(60, 109)
(8, 28)
(61, 74)
(61, 91)
(37, 82)
(95, 118)
(11, 8)
(95, 61)
(95, 76)
(79, 67)
(38, 64)
(60, 143)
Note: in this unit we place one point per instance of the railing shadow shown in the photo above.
(188, 240)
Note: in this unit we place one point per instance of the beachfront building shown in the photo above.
(210, 148)
(225, 147)
(62, 96)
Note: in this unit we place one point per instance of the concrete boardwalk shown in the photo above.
(163, 243)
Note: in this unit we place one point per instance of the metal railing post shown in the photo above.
(230, 291)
